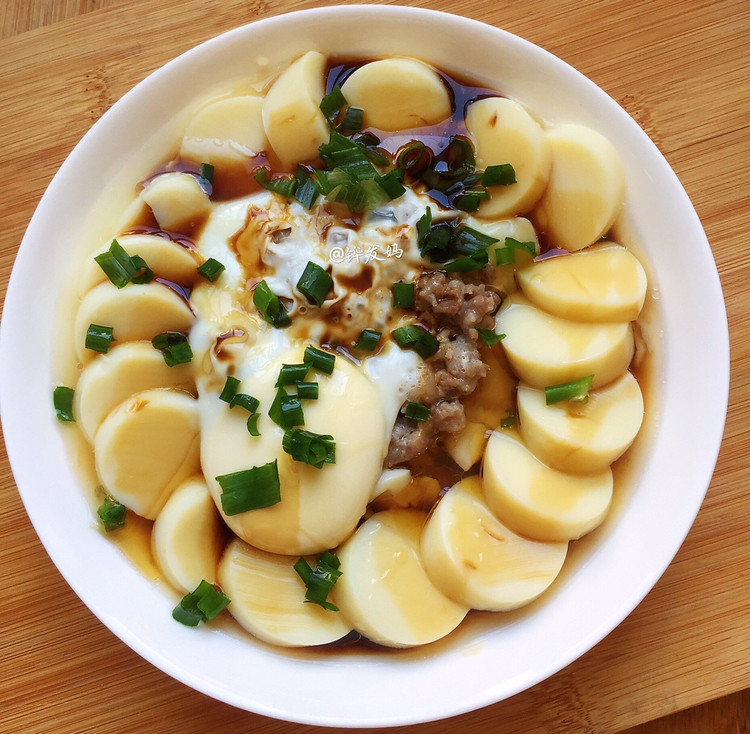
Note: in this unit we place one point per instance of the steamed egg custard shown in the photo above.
(361, 353)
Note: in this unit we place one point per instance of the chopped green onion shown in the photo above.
(489, 337)
(112, 514)
(468, 240)
(291, 374)
(352, 122)
(286, 410)
(307, 390)
(403, 295)
(174, 347)
(470, 199)
(201, 605)
(98, 338)
(575, 391)
(510, 419)
(321, 581)
(229, 390)
(207, 172)
(417, 412)
(507, 255)
(143, 273)
(341, 152)
(309, 448)
(282, 185)
(211, 269)
(243, 400)
(269, 305)
(315, 283)
(252, 424)
(306, 188)
(320, 360)
(62, 399)
(368, 340)
(333, 103)
(250, 489)
(475, 261)
(417, 339)
(424, 224)
(502, 174)
(413, 158)
(120, 267)
(391, 183)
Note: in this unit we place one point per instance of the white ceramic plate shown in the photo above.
(492, 656)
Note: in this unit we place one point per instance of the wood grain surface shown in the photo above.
(681, 70)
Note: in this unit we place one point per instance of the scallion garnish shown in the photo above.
(501, 174)
(306, 188)
(489, 337)
(307, 390)
(201, 605)
(291, 374)
(143, 273)
(413, 158)
(403, 295)
(352, 122)
(321, 581)
(475, 261)
(111, 513)
(252, 424)
(320, 360)
(575, 391)
(417, 339)
(282, 185)
(174, 347)
(309, 448)
(211, 269)
(270, 306)
(286, 410)
(391, 183)
(121, 268)
(229, 390)
(206, 172)
(333, 103)
(250, 489)
(368, 340)
(506, 255)
(315, 283)
(417, 412)
(98, 338)
(243, 400)
(510, 419)
(62, 399)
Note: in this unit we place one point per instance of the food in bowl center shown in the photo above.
(361, 352)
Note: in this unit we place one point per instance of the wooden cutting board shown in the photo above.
(681, 70)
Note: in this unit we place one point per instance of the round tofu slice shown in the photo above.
(177, 200)
(292, 119)
(384, 590)
(601, 283)
(546, 350)
(148, 446)
(479, 562)
(505, 133)
(113, 377)
(537, 501)
(585, 437)
(319, 508)
(398, 94)
(586, 188)
(268, 599)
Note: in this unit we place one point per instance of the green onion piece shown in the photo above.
(229, 390)
(269, 305)
(391, 183)
(333, 103)
(143, 273)
(437, 245)
(309, 448)
(307, 390)
(211, 269)
(291, 374)
(174, 347)
(424, 225)
(201, 605)
(250, 489)
(243, 400)
(283, 185)
(507, 255)
(306, 189)
(575, 390)
(510, 419)
(475, 261)
(117, 265)
(352, 122)
(413, 158)
(403, 295)
(489, 337)
(417, 339)
(470, 199)
(368, 340)
(252, 424)
(207, 172)
(286, 410)
(468, 240)
(320, 360)
(417, 412)
(315, 283)
(502, 174)
(321, 581)
(341, 152)
(62, 399)
(112, 514)
(98, 338)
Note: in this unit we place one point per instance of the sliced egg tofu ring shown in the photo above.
(546, 350)
(268, 599)
(319, 508)
(537, 501)
(601, 283)
(125, 370)
(384, 590)
(148, 446)
(479, 562)
(582, 437)
(135, 312)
